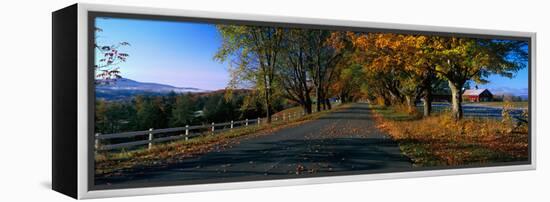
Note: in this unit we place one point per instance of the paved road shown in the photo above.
(340, 142)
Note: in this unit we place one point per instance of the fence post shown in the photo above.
(96, 142)
(283, 116)
(231, 124)
(213, 128)
(186, 132)
(289, 116)
(246, 122)
(276, 118)
(150, 138)
(259, 120)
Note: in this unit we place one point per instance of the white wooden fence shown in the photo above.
(185, 132)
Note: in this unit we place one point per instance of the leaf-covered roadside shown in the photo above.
(440, 141)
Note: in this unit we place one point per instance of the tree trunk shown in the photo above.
(456, 98)
(327, 101)
(308, 105)
(427, 84)
(267, 99)
(268, 106)
(387, 101)
(323, 101)
(427, 101)
(411, 105)
(318, 94)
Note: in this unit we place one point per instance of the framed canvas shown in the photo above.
(151, 101)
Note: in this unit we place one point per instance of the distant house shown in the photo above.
(477, 95)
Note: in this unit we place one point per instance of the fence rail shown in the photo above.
(185, 132)
(478, 111)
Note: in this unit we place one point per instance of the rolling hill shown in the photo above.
(124, 88)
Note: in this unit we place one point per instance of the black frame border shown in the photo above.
(64, 102)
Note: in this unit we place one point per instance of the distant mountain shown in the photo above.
(124, 88)
(521, 92)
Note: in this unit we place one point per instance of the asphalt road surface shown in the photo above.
(340, 142)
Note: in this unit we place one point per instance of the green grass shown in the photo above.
(392, 113)
(297, 109)
(422, 156)
(419, 154)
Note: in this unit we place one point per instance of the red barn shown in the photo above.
(478, 95)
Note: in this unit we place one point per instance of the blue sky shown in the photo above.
(180, 54)
(173, 53)
(518, 84)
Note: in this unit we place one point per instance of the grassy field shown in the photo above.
(114, 163)
(521, 104)
(440, 141)
(298, 110)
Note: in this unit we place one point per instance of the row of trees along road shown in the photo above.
(391, 69)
